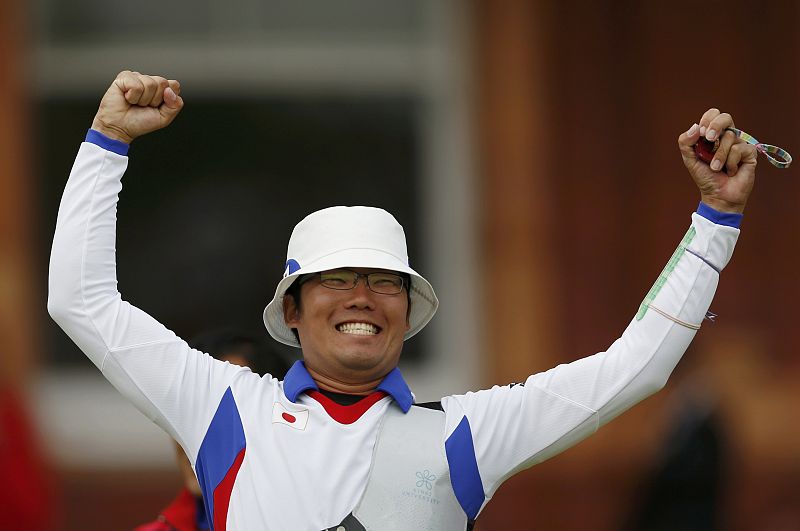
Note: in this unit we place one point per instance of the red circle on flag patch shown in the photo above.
(288, 418)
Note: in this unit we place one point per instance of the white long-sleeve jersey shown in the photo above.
(277, 455)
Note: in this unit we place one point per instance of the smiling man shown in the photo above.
(339, 443)
(351, 333)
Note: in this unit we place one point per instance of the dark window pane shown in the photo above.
(209, 203)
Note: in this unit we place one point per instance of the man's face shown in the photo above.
(350, 335)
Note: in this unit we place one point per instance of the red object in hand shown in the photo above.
(704, 149)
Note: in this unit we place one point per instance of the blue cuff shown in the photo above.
(720, 218)
(115, 146)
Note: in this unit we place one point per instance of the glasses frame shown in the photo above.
(365, 276)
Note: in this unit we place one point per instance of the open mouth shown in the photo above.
(358, 328)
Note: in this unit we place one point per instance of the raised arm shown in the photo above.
(174, 386)
(510, 428)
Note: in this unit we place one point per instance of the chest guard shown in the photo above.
(408, 487)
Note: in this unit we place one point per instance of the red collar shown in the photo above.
(346, 414)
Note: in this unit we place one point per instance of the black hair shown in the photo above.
(253, 348)
(293, 291)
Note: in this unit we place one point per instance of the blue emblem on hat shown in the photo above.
(291, 267)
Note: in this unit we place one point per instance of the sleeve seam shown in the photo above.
(137, 345)
(90, 210)
(155, 407)
(562, 397)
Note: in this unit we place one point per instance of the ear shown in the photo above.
(291, 315)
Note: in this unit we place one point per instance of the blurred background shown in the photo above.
(528, 148)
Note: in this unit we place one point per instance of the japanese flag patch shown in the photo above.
(295, 419)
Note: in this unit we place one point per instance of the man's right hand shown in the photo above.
(136, 104)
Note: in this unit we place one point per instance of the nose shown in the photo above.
(361, 297)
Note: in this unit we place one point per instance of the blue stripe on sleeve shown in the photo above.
(219, 449)
(109, 144)
(720, 218)
(464, 474)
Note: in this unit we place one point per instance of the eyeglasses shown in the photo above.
(379, 282)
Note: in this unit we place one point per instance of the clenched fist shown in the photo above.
(725, 184)
(136, 104)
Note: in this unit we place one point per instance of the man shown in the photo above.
(339, 444)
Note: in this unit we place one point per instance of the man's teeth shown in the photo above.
(359, 329)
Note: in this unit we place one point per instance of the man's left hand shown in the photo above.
(725, 184)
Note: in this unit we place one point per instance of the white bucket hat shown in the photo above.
(348, 237)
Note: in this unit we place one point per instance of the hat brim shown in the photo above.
(423, 299)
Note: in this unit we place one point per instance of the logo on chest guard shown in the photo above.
(423, 487)
(426, 479)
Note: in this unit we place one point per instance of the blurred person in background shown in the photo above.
(27, 499)
(340, 442)
(685, 485)
(187, 512)
(29, 488)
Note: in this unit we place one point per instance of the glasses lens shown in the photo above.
(386, 283)
(338, 279)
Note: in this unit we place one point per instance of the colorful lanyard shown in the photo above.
(773, 153)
